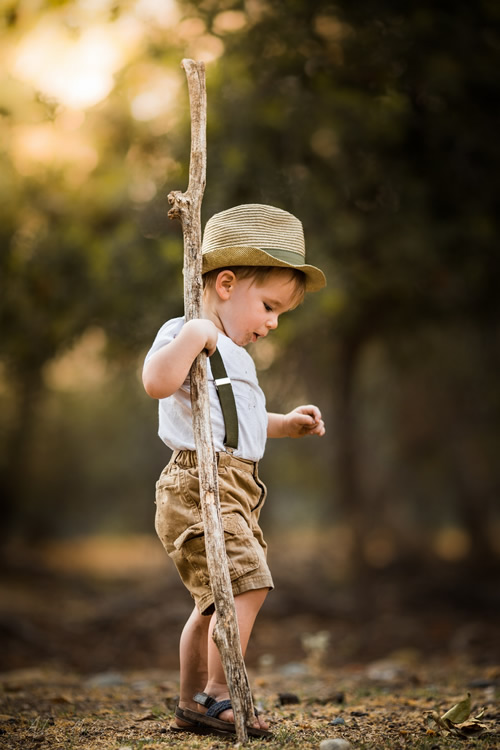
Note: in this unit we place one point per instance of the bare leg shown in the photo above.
(193, 660)
(247, 606)
(200, 659)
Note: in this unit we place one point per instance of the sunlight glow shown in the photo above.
(452, 543)
(266, 353)
(324, 142)
(157, 94)
(206, 48)
(329, 27)
(103, 556)
(229, 21)
(44, 145)
(146, 106)
(162, 13)
(77, 71)
(142, 191)
(190, 28)
(81, 367)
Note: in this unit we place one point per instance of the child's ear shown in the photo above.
(225, 284)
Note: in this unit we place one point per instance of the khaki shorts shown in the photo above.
(179, 524)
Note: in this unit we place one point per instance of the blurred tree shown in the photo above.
(80, 247)
(377, 126)
(381, 124)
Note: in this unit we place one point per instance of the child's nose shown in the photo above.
(272, 322)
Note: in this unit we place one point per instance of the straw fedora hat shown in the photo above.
(257, 235)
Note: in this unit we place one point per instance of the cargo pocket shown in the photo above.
(173, 512)
(241, 549)
(165, 487)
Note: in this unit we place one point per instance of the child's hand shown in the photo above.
(207, 332)
(303, 420)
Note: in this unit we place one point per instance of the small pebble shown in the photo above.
(338, 720)
(105, 679)
(336, 744)
(294, 669)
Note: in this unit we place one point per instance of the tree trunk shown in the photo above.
(15, 478)
(349, 492)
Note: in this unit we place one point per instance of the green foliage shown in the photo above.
(376, 125)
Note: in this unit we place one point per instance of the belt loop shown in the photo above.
(224, 459)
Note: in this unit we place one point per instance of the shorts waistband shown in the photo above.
(189, 460)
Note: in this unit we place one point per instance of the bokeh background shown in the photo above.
(377, 123)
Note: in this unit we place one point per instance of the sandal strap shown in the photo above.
(217, 708)
(204, 700)
(214, 708)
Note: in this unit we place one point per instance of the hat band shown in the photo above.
(287, 256)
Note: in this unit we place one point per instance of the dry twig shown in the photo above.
(187, 208)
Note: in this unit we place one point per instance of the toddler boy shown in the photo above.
(253, 271)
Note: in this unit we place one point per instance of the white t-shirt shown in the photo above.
(175, 417)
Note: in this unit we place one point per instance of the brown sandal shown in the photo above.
(210, 718)
(194, 727)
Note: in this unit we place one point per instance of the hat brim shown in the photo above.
(255, 256)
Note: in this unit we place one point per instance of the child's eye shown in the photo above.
(268, 307)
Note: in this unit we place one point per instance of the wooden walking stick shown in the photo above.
(187, 208)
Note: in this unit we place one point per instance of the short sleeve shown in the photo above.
(165, 335)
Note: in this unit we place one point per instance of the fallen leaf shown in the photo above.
(456, 721)
(469, 729)
(459, 712)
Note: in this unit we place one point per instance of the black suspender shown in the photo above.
(226, 398)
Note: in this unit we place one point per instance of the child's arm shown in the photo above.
(167, 369)
(303, 420)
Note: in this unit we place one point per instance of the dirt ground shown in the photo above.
(90, 661)
(129, 710)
